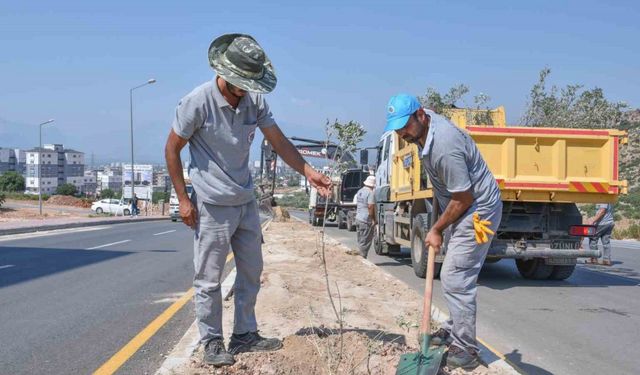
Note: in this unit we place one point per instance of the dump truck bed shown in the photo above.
(531, 164)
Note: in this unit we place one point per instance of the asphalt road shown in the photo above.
(70, 301)
(587, 324)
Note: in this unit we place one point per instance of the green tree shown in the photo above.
(66, 189)
(293, 181)
(107, 193)
(158, 195)
(11, 181)
(444, 104)
(570, 106)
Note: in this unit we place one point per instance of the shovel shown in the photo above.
(427, 360)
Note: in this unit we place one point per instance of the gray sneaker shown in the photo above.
(458, 357)
(441, 337)
(253, 342)
(216, 354)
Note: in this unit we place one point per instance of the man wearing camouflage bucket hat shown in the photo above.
(219, 119)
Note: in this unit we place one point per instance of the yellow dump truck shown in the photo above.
(542, 174)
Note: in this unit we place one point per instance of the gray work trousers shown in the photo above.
(603, 233)
(219, 229)
(364, 235)
(458, 276)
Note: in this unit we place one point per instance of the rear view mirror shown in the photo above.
(364, 157)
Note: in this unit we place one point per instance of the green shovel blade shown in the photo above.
(425, 362)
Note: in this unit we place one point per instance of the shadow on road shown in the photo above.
(31, 263)
(516, 358)
(501, 276)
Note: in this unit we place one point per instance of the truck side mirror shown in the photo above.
(364, 157)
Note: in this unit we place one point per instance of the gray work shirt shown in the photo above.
(607, 219)
(454, 164)
(219, 141)
(364, 198)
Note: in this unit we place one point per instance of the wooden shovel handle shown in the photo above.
(425, 327)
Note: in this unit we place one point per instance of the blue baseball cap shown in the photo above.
(399, 109)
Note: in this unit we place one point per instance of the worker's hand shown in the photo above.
(434, 239)
(319, 181)
(188, 213)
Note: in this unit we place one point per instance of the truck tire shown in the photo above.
(342, 220)
(381, 247)
(351, 225)
(562, 272)
(418, 250)
(534, 269)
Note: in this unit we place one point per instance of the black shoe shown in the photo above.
(253, 342)
(441, 337)
(458, 357)
(216, 354)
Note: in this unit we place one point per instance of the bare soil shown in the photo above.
(380, 313)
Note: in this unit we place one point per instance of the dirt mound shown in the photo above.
(380, 314)
(65, 200)
(281, 214)
(313, 351)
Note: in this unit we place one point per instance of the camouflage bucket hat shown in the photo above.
(240, 60)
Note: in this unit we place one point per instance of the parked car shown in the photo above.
(174, 205)
(111, 206)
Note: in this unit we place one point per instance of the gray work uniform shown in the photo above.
(604, 230)
(454, 164)
(219, 141)
(364, 224)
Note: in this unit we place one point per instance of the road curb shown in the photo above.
(188, 344)
(44, 228)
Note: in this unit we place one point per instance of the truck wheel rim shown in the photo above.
(416, 248)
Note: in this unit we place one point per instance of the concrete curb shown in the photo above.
(43, 228)
(494, 359)
(182, 352)
(188, 344)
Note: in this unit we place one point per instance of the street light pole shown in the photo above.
(40, 165)
(131, 122)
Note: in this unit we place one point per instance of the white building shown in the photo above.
(109, 178)
(56, 166)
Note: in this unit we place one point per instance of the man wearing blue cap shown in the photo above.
(469, 201)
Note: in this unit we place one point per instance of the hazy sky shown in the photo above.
(76, 60)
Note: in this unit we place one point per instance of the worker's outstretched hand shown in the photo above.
(434, 239)
(319, 181)
(188, 213)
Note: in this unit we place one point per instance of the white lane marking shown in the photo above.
(169, 231)
(29, 235)
(109, 244)
(7, 266)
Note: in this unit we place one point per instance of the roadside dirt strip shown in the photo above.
(380, 314)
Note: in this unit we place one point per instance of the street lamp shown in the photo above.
(152, 80)
(40, 165)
